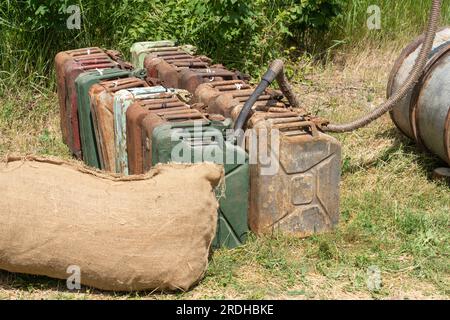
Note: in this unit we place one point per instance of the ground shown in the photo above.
(394, 217)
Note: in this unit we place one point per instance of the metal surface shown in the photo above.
(68, 65)
(122, 101)
(432, 110)
(190, 79)
(161, 72)
(159, 104)
(302, 197)
(102, 110)
(424, 113)
(140, 49)
(442, 174)
(164, 67)
(222, 96)
(182, 118)
(158, 136)
(87, 134)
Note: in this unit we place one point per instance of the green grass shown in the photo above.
(29, 122)
(393, 215)
(28, 45)
(399, 21)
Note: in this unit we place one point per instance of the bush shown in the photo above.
(241, 34)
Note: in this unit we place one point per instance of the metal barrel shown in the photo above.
(424, 114)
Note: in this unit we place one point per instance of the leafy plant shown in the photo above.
(240, 34)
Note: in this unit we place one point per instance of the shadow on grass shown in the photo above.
(30, 283)
(401, 145)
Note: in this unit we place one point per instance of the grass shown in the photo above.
(28, 46)
(393, 215)
(399, 19)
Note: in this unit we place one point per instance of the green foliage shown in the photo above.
(240, 34)
(400, 20)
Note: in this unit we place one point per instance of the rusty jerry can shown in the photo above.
(220, 97)
(159, 104)
(190, 79)
(188, 136)
(68, 65)
(102, 110)
(294, 175)
(294, 169)
(424, 114)
(122, 101)
(185, 71)
(83, 83)
(140, 49)
(164, 67)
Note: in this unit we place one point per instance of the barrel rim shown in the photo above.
(407, 51)
(414, 111)
(447, 135)
(394, 71)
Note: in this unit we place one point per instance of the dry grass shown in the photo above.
(394, 216)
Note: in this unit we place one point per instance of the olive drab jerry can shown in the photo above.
(189, 136)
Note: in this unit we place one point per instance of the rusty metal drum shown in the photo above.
(424, 114)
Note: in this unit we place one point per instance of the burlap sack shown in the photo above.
(132, 233)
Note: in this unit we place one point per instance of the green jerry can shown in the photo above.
(205, 140)
(87, 132)
(140, 49)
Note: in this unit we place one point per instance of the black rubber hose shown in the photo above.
(270, 75)
(276, 71)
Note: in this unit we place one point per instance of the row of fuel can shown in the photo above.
(170, 105)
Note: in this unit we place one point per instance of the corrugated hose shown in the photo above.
(412, 79)
(276, 71)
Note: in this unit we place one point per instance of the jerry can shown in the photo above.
(68, 65)
(163, 67)
(159, 104)
(190, 79)
(140, 49)
(205, 92)
(87, 133)
(221, 97)
(102, 110)
(294, 175)
(194, 138)
(122, 101)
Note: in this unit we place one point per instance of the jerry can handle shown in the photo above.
(311, 125)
